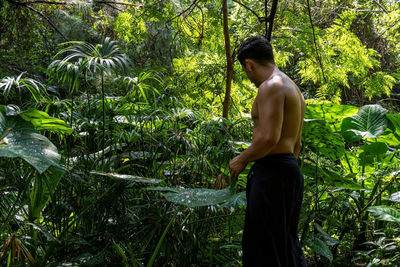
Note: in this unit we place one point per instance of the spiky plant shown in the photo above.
(94, 60)
(16, 84)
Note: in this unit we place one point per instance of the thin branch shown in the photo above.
(266, 16)
(71, 3)
(185, 10)
(315, 40)
(116, 3)
(114, 7)
(48, 21)
(229, 61)
(380, 5)
(260, 19)
(40, 2)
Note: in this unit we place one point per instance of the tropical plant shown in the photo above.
(15, 85)
(95, 59)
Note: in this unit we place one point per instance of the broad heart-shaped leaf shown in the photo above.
(197, 197)
(42, 121)
(385, 213)
(369, 122)
(19, 139)
(372, 151)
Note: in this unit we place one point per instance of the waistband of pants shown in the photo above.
(276, 157)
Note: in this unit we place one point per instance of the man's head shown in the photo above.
(257, 58)
(256, 48)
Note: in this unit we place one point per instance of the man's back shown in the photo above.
(293, 112)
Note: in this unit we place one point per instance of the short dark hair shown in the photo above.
(257, 48)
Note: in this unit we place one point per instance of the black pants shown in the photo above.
(274, 194)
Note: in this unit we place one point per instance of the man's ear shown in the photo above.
(249, 64)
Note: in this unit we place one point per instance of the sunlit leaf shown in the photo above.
(42, 121)
(369, 122)
(197, 197)
(385, 213)
(333, 114)
(395, 197)
(236, 200)
(375, 148)
(130, 178)
(19, 139)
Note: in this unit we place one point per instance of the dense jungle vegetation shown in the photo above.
(118, 120)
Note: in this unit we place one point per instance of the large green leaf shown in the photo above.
(333, 114)
(42, 121)
(43, 188)
(385, 213)
(372, 151)
(19, 139)
(128, 178)
(320, 247)
(369, 122)
(236, 200)
(394, 122)
(198, 197)
(394, 125)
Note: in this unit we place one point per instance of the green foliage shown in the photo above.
(346, 63)
(369, 122)
(332, 113)
(44, 186)
(385, 213)
(198, 197)
(42, 121)
(11, 84)
(378, 84)
(95, 58)
(130, 27)
(128, 178)
(320, 247)
(19, 139)
(160, 119)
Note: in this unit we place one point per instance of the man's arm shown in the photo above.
(298, 143)
(270, 105)
(297, 148)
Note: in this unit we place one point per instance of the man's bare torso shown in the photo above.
(293, 113)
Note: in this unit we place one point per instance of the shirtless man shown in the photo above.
(275, 183)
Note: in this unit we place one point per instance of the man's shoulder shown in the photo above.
(275, 86)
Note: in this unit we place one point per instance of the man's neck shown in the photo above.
(265, 73)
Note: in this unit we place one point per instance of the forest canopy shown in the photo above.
(118, 120)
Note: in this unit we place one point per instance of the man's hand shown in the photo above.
(236, 166)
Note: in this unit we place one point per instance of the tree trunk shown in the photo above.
(229, 61)
(269, 19)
